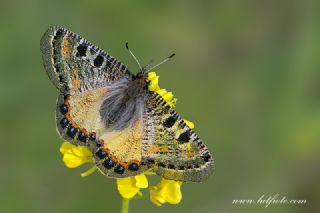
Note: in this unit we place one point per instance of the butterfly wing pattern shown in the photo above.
(153, 137)
(175, 150)
(82, 72)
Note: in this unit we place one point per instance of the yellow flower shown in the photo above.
(154, 86)
(75, 156)
(189, 124)
(166, 191)
(129, 187)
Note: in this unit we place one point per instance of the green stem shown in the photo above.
(125, 205)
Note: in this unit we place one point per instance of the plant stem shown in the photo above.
(125, 205)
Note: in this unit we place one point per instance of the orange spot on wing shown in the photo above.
(105, 149)
(66, 98)
(75, 83)
(102, 143)
(68, 105)
(68, 117)
(66, 48)
(74, 125)
(114, 159)
(135, 161)
(124, 164)
(153, 149)
(190, 154)
(156, 149)
(75, 78)
(84, 131)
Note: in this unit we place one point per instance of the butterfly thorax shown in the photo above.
(123, 103)
(136, 87)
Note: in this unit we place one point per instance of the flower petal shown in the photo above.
(151, 75)
(189, 124)
(153, 80)
(168, 97)
(141, 181)
(166, 191)
(65, 147)
(127, 187)
(173, 193)
(74, 156)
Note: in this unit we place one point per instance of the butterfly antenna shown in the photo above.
(148, 64)
(162, 62)
(134, 57)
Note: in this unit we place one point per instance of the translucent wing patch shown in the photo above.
(170, 147)
(73, 64)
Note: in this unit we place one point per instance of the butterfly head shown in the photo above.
(145, 70)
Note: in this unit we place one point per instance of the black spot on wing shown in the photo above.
(133, 167)
(101, 154)
(98, 61)
(64, 123)
(108, 163)
(59, 32)
(169, 122)
(82, 50)
(119, 170)
(171, 166)
(184, 137)
(71, 132)
(206, 157)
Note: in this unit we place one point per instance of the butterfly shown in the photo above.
(129, 128)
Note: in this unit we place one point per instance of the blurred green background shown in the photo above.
(246, 72)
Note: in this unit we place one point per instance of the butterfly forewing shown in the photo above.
(83, 73)
(75, 65)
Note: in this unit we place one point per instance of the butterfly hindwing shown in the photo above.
(175, 151)
(120, 154)
(78, 116)
(75, 65)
